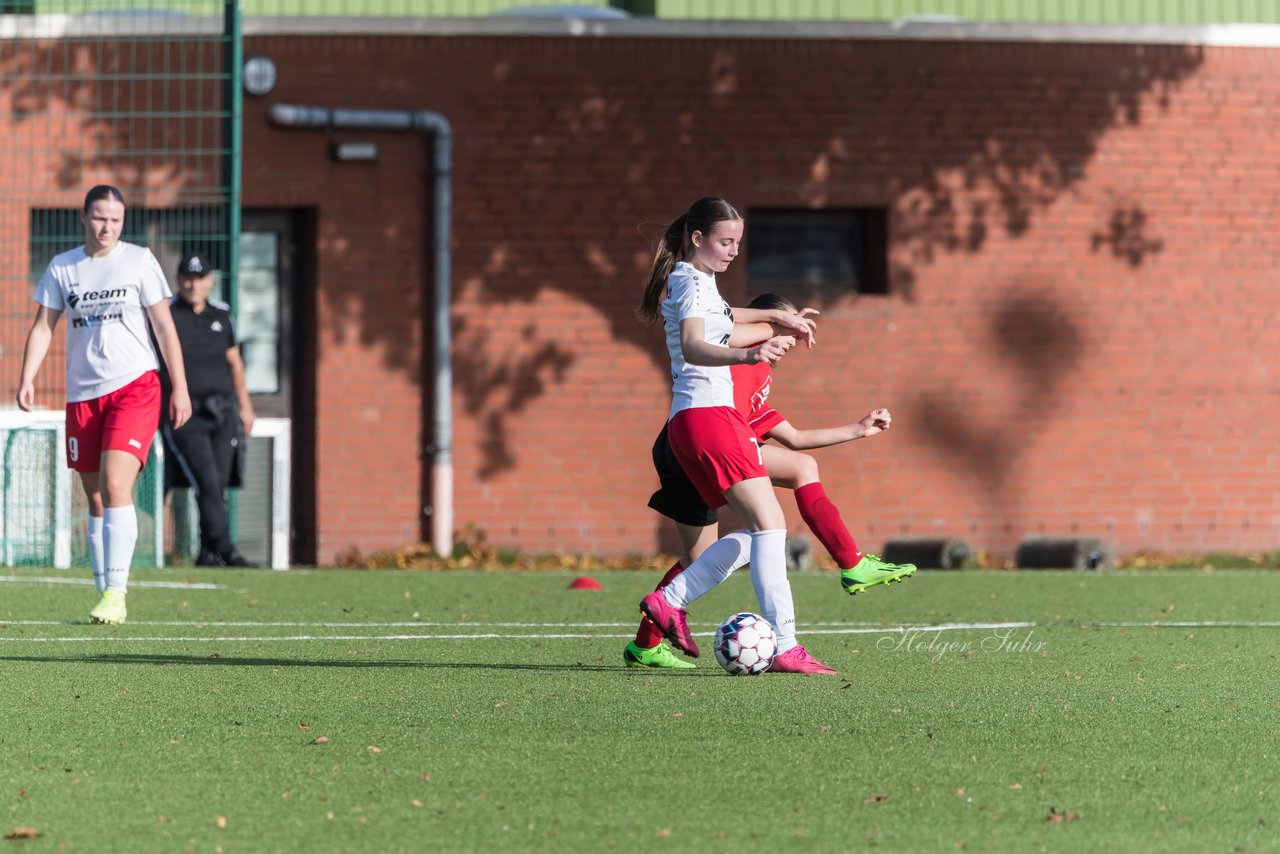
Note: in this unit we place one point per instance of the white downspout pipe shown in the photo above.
(420, 121)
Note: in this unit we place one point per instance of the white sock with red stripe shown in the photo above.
(713, 566)
(95, 553)
(769, 577)
(119, 536)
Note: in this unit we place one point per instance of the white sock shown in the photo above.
(119, 536)
(769, 577)
(95, 553)
(714, 565)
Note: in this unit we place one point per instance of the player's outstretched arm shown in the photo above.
(698, 351)
(747, 334)
(876, 421)
(800, 324)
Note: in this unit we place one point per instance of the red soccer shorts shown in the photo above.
(716, 449)
(122, 420)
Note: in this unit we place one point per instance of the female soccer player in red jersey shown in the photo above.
(110, 289)
(678, 500)
(708, 435)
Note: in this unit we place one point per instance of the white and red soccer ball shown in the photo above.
(745, 644)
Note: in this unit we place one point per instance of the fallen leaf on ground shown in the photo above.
(875, 799)
(22, 833)
(220, 821)
(1054, 816)
(320, 739)
(373, 748)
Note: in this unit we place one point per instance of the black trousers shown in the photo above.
(204, 449)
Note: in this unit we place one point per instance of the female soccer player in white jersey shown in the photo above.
(715, 446)
(678, 500)
(110, 289)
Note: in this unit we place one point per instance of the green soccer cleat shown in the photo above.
(660, 657)
(110, 610)
(870, 571)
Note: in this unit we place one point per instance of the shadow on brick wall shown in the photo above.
(559, 172)
(961, 142)
(143, 113)
(1027, 141)
(1034, 333)
(496, 385)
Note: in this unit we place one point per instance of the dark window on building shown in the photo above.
(17, 7)
(817, 253)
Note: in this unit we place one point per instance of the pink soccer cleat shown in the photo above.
(671, 621)
(796, 660)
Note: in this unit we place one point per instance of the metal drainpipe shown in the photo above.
(420, 121)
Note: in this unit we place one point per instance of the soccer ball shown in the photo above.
(745, 644)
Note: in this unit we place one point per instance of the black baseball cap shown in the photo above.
(194, 265)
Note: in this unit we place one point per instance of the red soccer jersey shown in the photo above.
(751, 384)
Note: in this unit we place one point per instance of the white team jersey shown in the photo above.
(691, 293)
(108, 345)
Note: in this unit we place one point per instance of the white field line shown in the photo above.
(1189, 624)
(278, 638)
(53, 579)
(563, 635)
(473, 636)
(567, 634)
(394, 625)
(432, 637)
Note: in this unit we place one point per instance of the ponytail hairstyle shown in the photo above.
(100, 192)
(772, 301)
(676, 245)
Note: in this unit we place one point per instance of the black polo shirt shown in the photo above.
(205, 337)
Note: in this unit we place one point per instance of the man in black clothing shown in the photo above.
(204, 451)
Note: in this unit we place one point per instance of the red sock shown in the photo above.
(648, 635)
(824, 520)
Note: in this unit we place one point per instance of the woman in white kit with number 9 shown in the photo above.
(110, 289)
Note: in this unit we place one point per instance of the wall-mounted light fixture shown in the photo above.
(366, 151)
(259, 75)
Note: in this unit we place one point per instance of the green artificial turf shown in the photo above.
(183, 730)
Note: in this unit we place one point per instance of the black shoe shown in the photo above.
(234, 558)
(210, 559)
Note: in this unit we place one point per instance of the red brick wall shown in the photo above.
(1082, 258)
